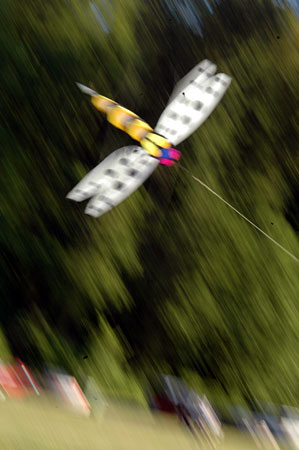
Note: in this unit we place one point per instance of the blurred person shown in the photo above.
(211, 417)
(208, 422)
(290, 425)
(266, 438)
(184, 416)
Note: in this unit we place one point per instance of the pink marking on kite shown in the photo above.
(174, 154)
(166, 162)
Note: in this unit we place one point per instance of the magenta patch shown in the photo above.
(174, 154)
(166, 162)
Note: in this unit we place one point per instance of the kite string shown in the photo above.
(240, 214)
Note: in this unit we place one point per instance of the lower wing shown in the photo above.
(114, 179)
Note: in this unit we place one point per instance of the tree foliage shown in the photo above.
(171, 280)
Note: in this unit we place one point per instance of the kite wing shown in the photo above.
(114, 179)
(192, 101)
(205, 68)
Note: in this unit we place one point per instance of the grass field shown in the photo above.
(41, 424)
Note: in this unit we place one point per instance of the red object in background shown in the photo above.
(26, 377)
(10, 382)
(70, 392)
(165, 405)
(16, 380)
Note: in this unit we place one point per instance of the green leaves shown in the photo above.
(171, 280)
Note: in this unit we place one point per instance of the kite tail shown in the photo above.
(127, 121)
(117, 115)
(121, 117)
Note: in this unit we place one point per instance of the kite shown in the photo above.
(123, 171)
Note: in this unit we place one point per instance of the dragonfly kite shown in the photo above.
(123, 171)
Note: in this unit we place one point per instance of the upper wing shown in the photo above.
(114, 179)
(192, 101)
(204, 70)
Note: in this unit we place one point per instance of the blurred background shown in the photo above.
(171, 281)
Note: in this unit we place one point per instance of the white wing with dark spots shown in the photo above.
(204, 70)
(192, 101)
(114, 179)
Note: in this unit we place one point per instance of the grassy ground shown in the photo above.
(42, 424)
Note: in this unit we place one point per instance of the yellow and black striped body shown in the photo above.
(135, 127)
